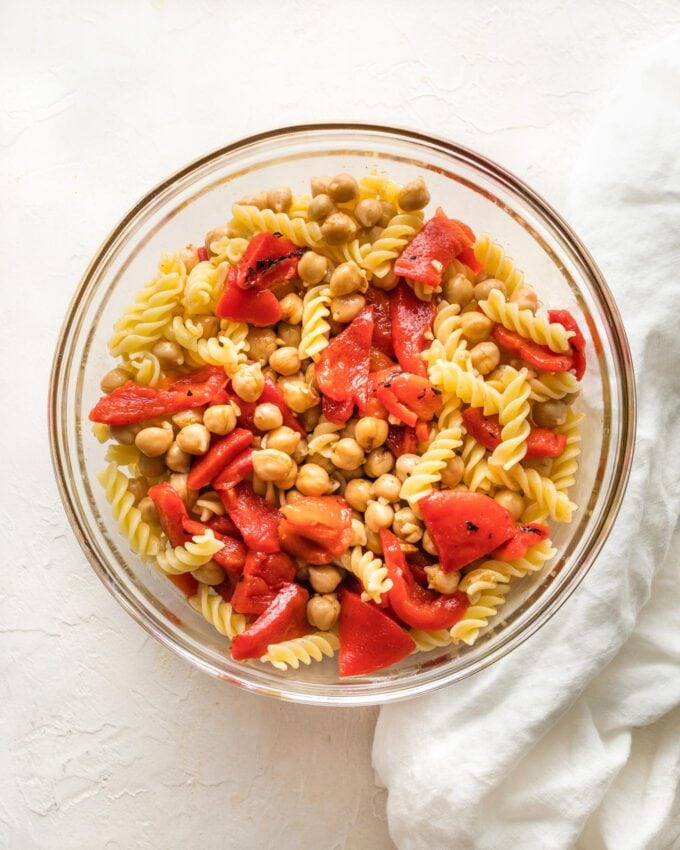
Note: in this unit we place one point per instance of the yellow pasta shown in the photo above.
(525, 323)
(497, 264)
(553, 386)
(477, 617)
(145, 368)
(399, 232)
(185, 559)
(228, 249)
(302, 650)
(324, 437)
(370, 571)
(142, 537)
(200, 289)
(379, 185)
(536, 488)
(426, 640)
(514, 417)
(565, 467)
(476, 472)
(227, 349)
(315, 328)
(491, 573)
(252, 220)
(451, 377)
(448, 337)
(217, 612)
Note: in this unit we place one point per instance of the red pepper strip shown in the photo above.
(433, 249)
(285, 618)
(342, 369)
(251, 306)
(221, 453)
(422, 431)
(257, 521)
(525, 537)
(222, 525)
(382, 322)
(379, 361)
(465, 526)
(577, 342)
(269, 258)
(232, 555)
(172, 513)
(263, 576)
(202, 254)
(418, 573)
(369, 638)
(227, 588)
(271, 394)
(410, 318)
(539, 356)
(240, 467)
(487, 430)
(413, 604)
(409, 397)
(316, 529)
(130, 403)
(186, 583)
(401, 440)
(467, 258)
(337, 411)
(387, 397)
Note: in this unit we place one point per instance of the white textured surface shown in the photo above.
(106, 740)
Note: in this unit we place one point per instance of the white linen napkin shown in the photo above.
(574, 739)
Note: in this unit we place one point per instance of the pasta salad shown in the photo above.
(342, 425)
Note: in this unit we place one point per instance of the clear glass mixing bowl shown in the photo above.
(198, 198)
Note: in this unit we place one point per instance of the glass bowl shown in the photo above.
(198, 198)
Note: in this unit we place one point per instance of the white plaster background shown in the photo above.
(106, 739)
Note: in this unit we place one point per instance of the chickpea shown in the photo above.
(324, 579)
(542, 465)
(368, 212)
(138, 488)
(289, 334)
(188, 417)
(387, 487)
(442, 582)
(210, 573)
(209, 325)
(372, 234)
(358, 529)
(406, 526)
(346, 278)
(387, 282)
(151, 467)
(344, 308)
(357, 493)
(309, 418)
(428, 544)
(113, 379)
(310, 376)
(338, 228)
(350, 428)
(285, 360)
(261, 344)
(189, 256)
(343, 187)
(176, 459)
(154, 442)
(284, 439)
(312, 268)
(320, 207)
(288, 482)
(550, 414)
(414, 195)
(272, 465)
(483, 290)
(475, 326)
(298, 395)
(525, 298)
(220, 418)
(302, 572)
(280, 199)
(320, 185)
(347, 454)
(388, 212)
(500, 374)
(373, 542)
(213, 236)
(485, 357)
(323, 611)
(324, 462)
(257, 199)
(452, 474)
(291, 308)
(379, 462)
(178, 482)
(458, 290)
(267, 417)
(511, 501)
(405, 465)
(248, 382)
(312, 480)
(370, 432)
(378, 516)
(148, 511)
(168, 352)
(124, 434)
(472, 307)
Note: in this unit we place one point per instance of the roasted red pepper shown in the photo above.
(337, 411)
(222, 451)
(342, 369)
(401, 440)
(130, 403)
(369, 638)
(316, 529)
(413, 604)
(486, 430)
(465, 526)
(539, 356)
(525, 537)
(186, 583)
(263, 576)
(240, 467)
(232, 555)
(467, 258)
(258, 308)
(382, 322)
(285, 618)
(379, 361)
(222, 525)
(576, 342)
(426, 257)
(410, 319)
(172, 513)
(269, 258)
(202, 254)
(422, 431)
(257, 521)
(409, 398)
(542, 442)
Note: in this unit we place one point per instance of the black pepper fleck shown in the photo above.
(471, 526)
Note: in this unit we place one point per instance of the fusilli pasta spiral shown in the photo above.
(399, 232)
(453, 378)
(143, 538)
(491, 573)
(145, 368)
(187, 558)
(217, 612)
(536, 488)
(476, 472)
(477, 617)
(514, 417)
(228, 249)
(302, 650)
(227, 349)
(565, 467)
(324, 437)
(253, 220)
(497, 264)
(524, 322)
(200, 289)
(425, 640)
(553, 386)
(448, 336)
(315, 328)
(370, 571)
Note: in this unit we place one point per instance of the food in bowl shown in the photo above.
(342, 424)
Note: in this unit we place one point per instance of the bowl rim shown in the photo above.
(620, 474)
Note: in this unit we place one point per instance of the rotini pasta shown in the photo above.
(217, 612)
(451, 377)
(145, 368)
(427, 640)
(524, 322)
(448, 336)
(302, 650)
(565, 467)
(514, 417)
(315, 328)
(185, 559)
(477, 617)
(400, 230)
(252, 220)
(369, 570)
(228, 249)
(535, 487)
(227, 349)
(553, 386)
(476, 471)
(200, 289)
(497, 264)
(487, 577)
(142, 537)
